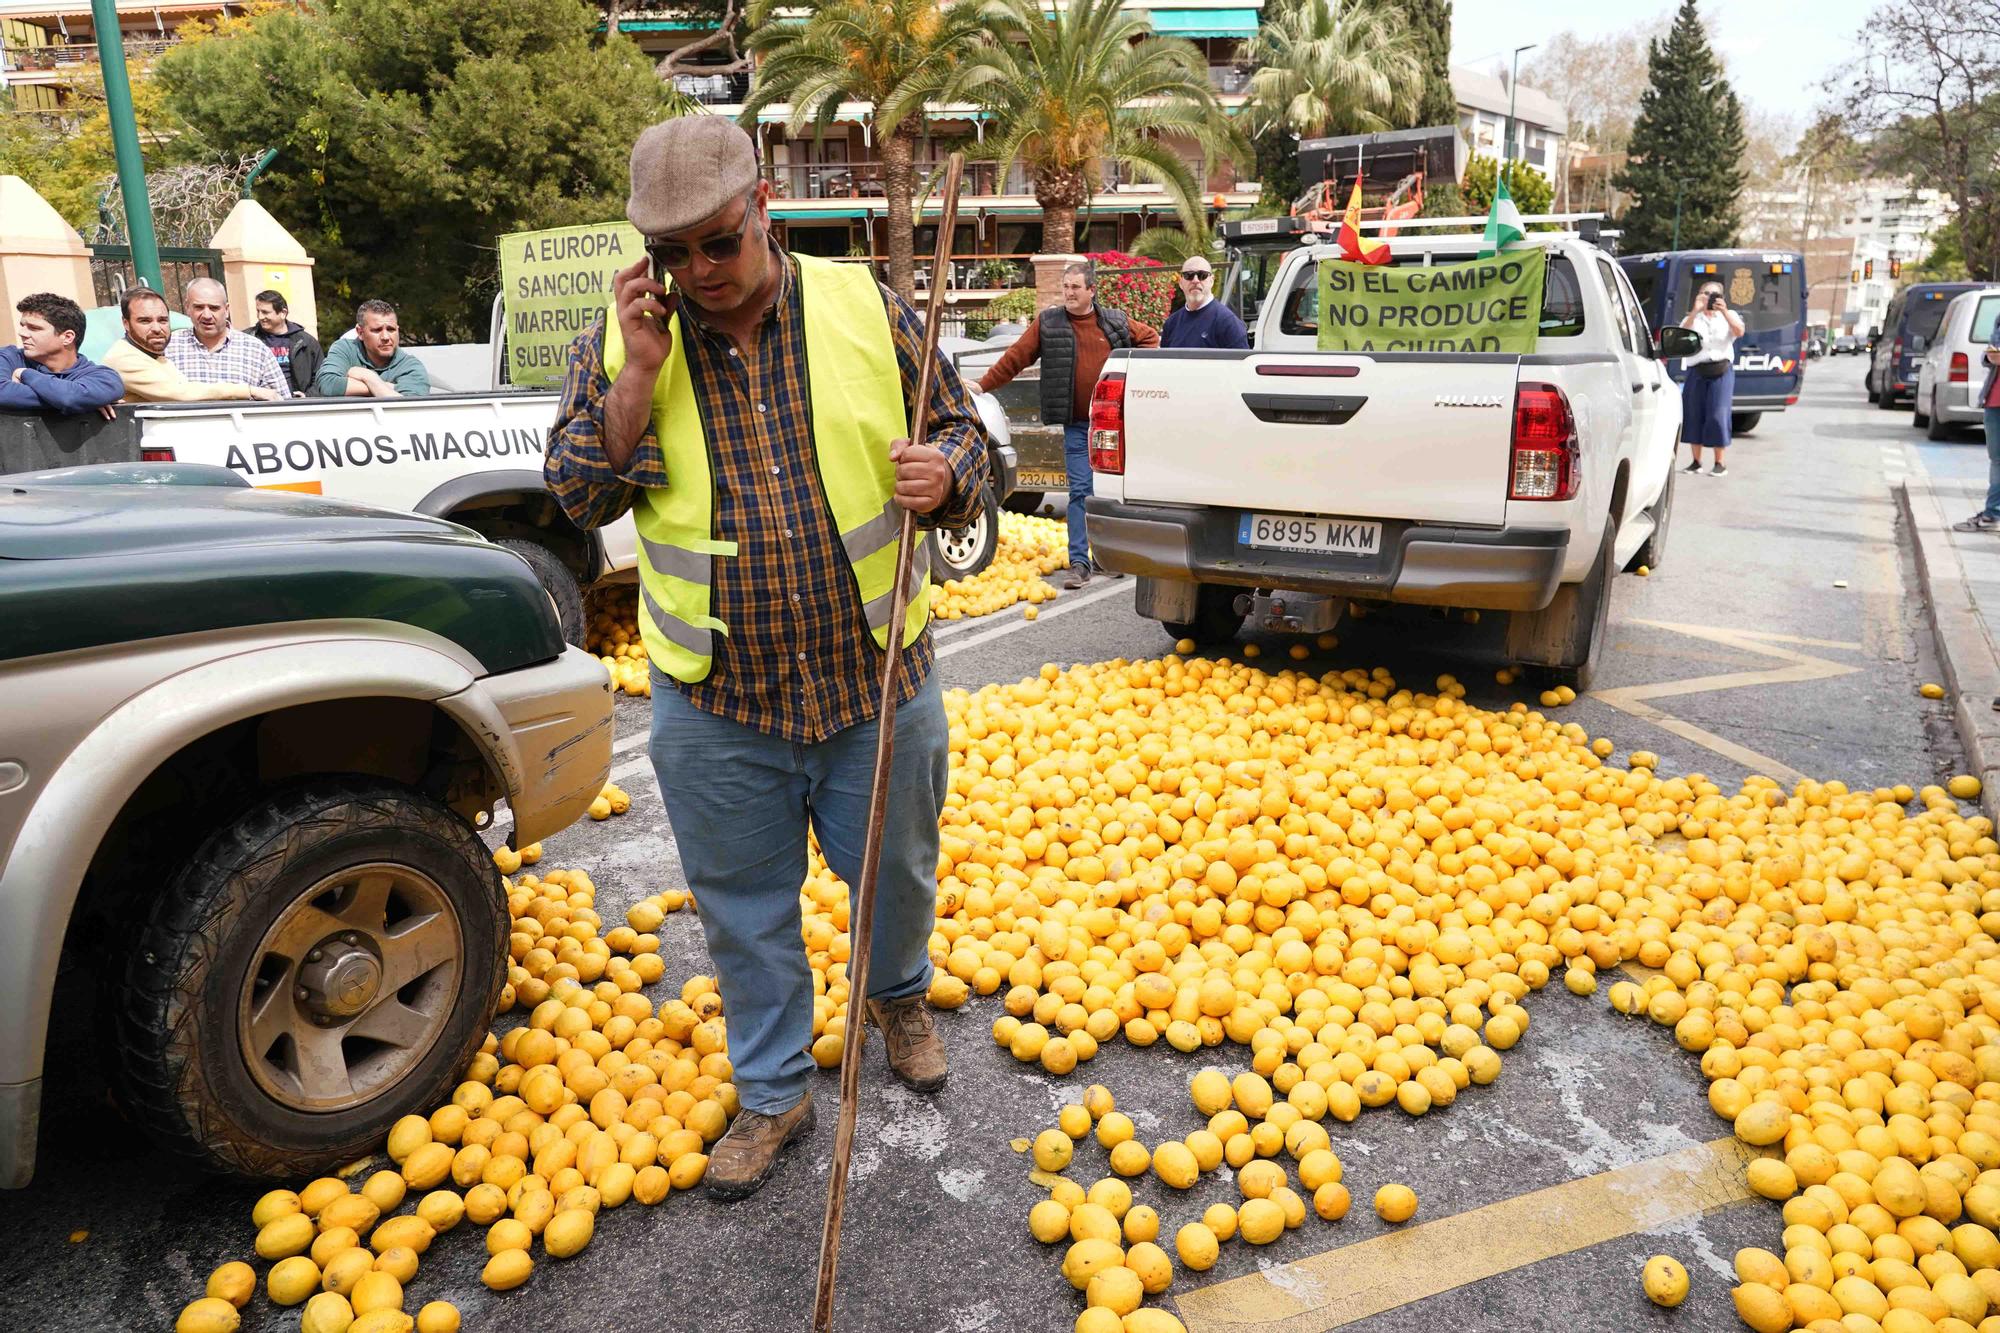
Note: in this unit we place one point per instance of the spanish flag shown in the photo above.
(1352, 243)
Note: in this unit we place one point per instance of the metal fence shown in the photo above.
(111, 271)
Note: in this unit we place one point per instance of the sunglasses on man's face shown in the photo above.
(1197, 274)
(716, 249)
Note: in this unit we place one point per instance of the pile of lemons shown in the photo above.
(599, 1098)
(1362, 884)
(1029, 548)
(612, 633)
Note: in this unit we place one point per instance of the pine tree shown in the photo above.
(1686, 147)
(1430, 20)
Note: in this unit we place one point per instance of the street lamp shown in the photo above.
(125, 144)
(1513, 83)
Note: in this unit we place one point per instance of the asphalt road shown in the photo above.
(1785, 595)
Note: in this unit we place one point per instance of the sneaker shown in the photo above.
(1978, 523)
(1079, 574)
(1718, 470)
(742, 1159)
(1694, 467)
(916, 1052)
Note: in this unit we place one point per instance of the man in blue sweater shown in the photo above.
(1203, 321)
(46, 373)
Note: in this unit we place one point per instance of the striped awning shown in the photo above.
(1204, 22)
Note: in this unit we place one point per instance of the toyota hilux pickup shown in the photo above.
(248, 739)
(1279, 485)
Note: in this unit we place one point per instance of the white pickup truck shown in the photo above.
(1278, 485)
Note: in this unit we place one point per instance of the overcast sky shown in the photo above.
(1776, 51)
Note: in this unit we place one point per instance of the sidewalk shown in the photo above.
(1960, 573)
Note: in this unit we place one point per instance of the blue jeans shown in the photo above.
(740, 802)
(1076, 460)
(1992, 462)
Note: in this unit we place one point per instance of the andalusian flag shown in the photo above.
(1503, 221)
(1352, 243)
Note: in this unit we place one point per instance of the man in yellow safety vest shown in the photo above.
(751, 410)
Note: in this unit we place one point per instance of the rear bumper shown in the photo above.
(560, 715)
(1955, 403)
(1762, 402)
(1503, 569)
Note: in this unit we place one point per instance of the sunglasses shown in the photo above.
(1197, 274)
(716, 249)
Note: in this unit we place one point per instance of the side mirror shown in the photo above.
(1676, 342)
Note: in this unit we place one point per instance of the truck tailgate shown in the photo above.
(1335, 433)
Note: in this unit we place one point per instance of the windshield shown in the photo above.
(1983, 316)
(1924, 313)
(1764, 300)
(1645, 280)
(1562, 300)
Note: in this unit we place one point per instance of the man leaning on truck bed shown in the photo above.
(45, 372)
(140, 358)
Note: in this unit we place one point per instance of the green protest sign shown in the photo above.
(1488, 305)
(556, 284)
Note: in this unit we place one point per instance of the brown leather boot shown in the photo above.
(916, 1052)
(742, 1159)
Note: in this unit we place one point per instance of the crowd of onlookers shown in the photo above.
(205, 361)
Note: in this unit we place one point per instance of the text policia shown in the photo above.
(1487, 305)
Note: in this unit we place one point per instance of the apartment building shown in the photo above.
(48, 48)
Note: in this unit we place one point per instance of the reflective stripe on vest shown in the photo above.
(856, 388)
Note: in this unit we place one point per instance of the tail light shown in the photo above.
(1896, 350)
(1961, 368)
(157, 453)
(1545, 445)
(1107, 424)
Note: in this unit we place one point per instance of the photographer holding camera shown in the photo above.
(1710, 380)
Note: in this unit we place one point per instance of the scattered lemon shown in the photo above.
(210, 1314)
(1965, 787)
(1197, 1246)
(235, 1282)
(1395, 1203)
(1931, 690)
(1053, 1149)
(326, 1313)
(291, 1280)
(1260, 1221)
(1665, 1281)
(438, 1317)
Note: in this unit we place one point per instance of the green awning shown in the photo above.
(662, 25)
(792, 213)
(1205, 22)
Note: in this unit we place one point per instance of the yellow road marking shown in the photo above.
(1632, 699)
(1358, 1281)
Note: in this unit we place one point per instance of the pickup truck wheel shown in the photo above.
(959, 553)
(326, 963)
(1216, 619)
(1564, 639)
(1652, 552)
(1024, 502)
(1742, 423)
(561, 584)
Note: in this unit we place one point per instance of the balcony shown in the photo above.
(865, 180)
(715, 89)
(1230, 80)
(66, 60)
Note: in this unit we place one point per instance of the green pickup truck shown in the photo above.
(248, 738)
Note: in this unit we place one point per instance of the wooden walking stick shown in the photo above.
(861, 928)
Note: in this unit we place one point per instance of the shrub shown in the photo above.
(1017, 306)
(1142, 288)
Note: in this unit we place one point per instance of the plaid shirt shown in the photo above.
(240, 360)
(798, 661)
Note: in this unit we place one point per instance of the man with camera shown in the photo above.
(1709, 384)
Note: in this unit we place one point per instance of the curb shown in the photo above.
(1966, 652)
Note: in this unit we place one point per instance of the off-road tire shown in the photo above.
(1563, 642)
(555, 576)
(960, 553)
(182, 1070)
(1216, 619)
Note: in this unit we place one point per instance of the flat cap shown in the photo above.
(686, 170)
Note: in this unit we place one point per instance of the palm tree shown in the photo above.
(1089, 84)
(895, 55)
(1334, 67)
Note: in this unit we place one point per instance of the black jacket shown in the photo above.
(298, 354)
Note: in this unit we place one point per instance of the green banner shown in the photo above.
(1488, 305)
(556, 283)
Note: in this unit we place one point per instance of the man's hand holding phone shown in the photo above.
(645, 311)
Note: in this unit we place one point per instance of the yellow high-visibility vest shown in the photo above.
(857, 409)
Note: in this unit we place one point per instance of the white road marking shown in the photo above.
(1017, 624)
